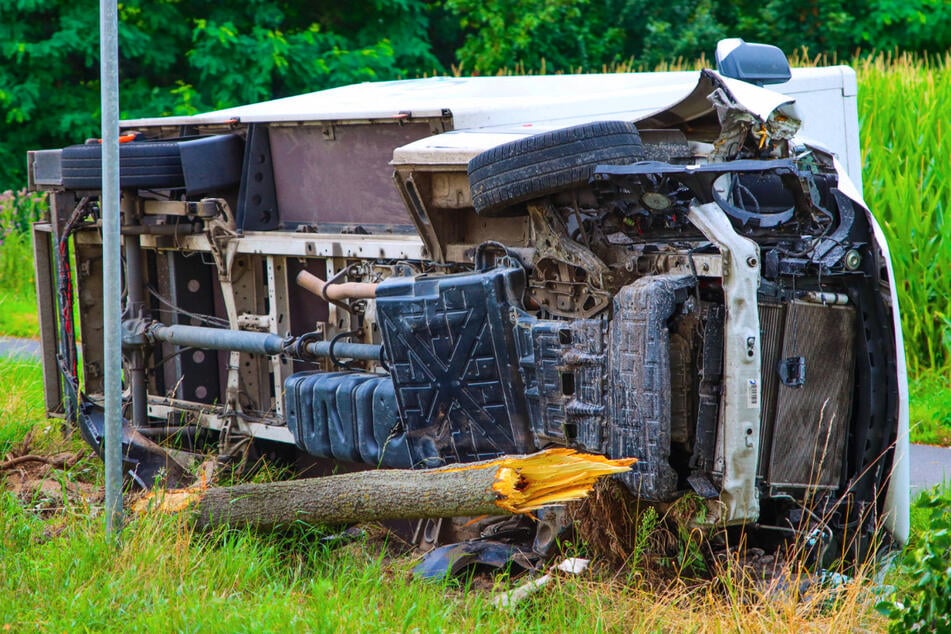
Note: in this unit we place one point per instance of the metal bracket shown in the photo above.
(585, 294)
(222, 240)
(792, 371)
(738, 436)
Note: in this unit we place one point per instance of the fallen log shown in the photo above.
(510, 484)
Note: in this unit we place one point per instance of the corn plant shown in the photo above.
(906, 141)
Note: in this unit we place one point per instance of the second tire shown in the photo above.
(548, 163)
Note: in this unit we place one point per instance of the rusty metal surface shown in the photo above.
(46, 307)
(340, 174)
(568, 279)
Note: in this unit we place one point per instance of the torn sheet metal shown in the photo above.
(145, 462)
(451, 559)
(725, 111)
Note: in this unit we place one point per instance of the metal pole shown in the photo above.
(111, 293)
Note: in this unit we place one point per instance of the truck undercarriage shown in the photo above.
(703, 293)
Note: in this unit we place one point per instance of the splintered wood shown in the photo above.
(510, 484)
(527, 483)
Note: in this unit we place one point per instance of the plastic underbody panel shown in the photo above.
(738, 374)
(473, 376)
(454, 393)
(469, 382)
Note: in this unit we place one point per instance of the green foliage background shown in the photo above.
(186, 57)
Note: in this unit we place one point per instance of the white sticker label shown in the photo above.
(752, 394)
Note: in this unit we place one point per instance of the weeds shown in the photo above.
(930, 409)
(923, 601)
(17, 213)
(22, 405)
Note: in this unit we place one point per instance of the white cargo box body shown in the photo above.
(501, 109)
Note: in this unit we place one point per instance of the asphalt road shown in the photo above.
(21, 348)
(929, 465)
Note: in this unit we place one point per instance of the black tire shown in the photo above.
(142, 164)
(548, 163)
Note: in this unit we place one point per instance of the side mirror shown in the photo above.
(758, 64)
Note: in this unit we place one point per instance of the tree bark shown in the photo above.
(59, 461)
(511, 484)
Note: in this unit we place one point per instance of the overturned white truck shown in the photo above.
(502, 264)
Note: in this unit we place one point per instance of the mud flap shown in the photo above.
(146, 463)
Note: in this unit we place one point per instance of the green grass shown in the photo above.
(59, 572)
(930, 409)
(164, 577)
(905, 111)
(21, 401)
(18, 316)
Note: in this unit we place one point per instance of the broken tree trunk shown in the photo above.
(510, 484)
